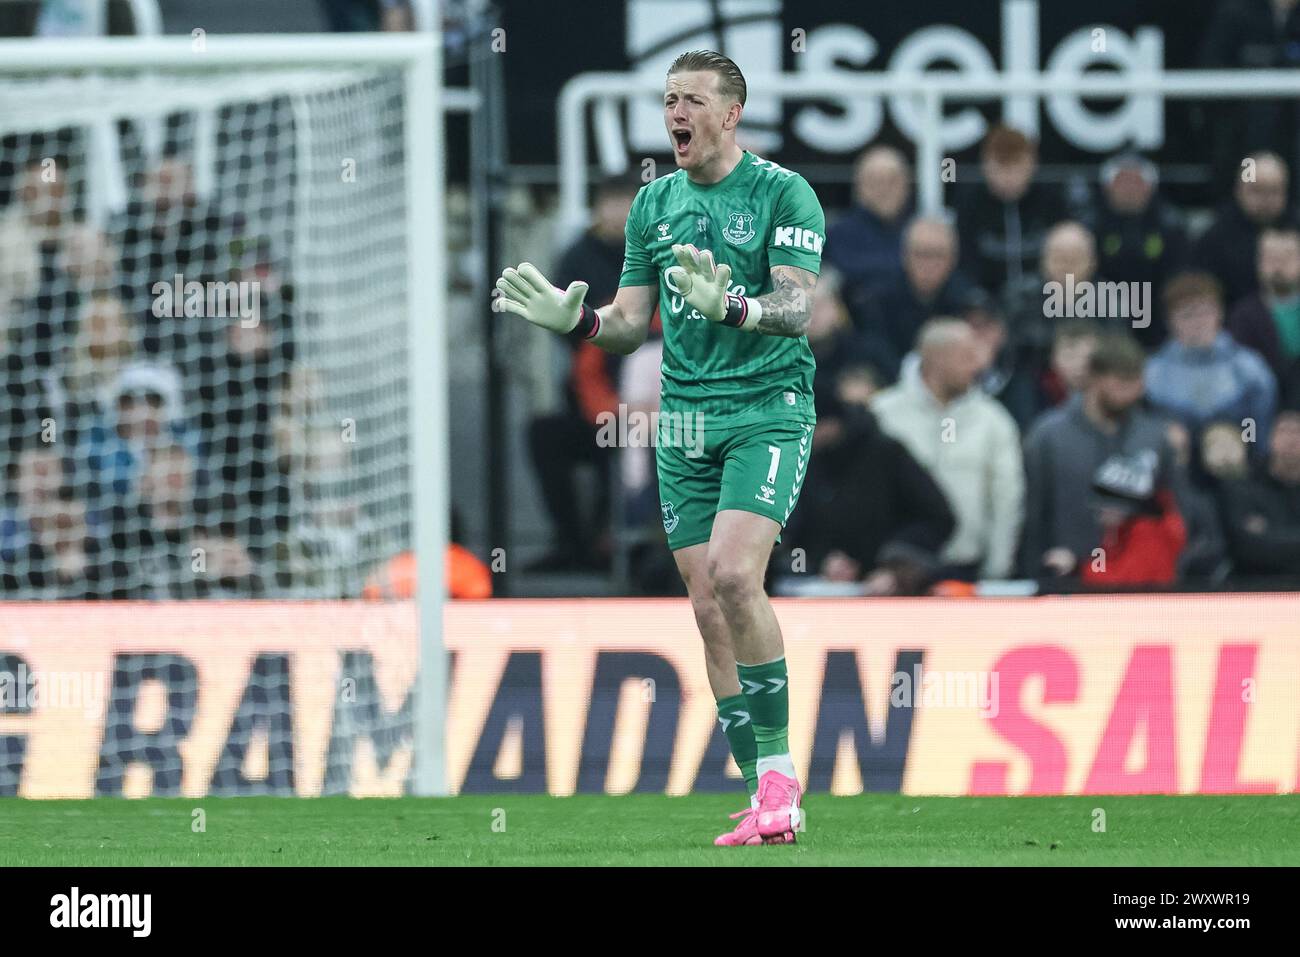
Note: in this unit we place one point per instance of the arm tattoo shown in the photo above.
(787, 307)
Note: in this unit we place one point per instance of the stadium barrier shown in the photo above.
(1142, 92)
(1045, 696)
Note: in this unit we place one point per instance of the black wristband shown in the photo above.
(588, 324)
(737, 311)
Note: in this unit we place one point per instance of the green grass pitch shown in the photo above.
(650, 830)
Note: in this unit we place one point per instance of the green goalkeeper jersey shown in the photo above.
(759, 216)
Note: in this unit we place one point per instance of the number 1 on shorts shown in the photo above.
(776, 460)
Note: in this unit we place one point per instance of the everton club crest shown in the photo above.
(739, 229)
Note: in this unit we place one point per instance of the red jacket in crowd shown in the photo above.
(1143, 550)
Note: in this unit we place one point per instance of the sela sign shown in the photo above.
(1085, 695)
(657, 30)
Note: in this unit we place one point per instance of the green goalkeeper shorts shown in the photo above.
(757, 467)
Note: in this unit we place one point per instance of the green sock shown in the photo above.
(766, 690)
(736, 725)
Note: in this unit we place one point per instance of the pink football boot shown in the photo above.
(779, 814)
(746, 832)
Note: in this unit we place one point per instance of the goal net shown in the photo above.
(211, 270)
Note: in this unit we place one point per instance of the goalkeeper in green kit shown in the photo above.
(729, 246)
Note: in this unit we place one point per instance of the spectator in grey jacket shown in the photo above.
(1202, 373)
(1067, 446)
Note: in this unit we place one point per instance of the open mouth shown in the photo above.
(682, 139)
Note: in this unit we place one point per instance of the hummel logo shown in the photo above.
(664, 232)
(800, 470)
(740, 717)
(774, 167)
(757, 687)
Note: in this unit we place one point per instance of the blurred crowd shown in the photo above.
(151, 450)
(1082, 391)
(1089, 389)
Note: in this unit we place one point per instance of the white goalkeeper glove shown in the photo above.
(704, 286)
(526, 292)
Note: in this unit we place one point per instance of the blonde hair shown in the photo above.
(731, 82)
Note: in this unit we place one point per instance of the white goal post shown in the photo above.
(329, 88)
